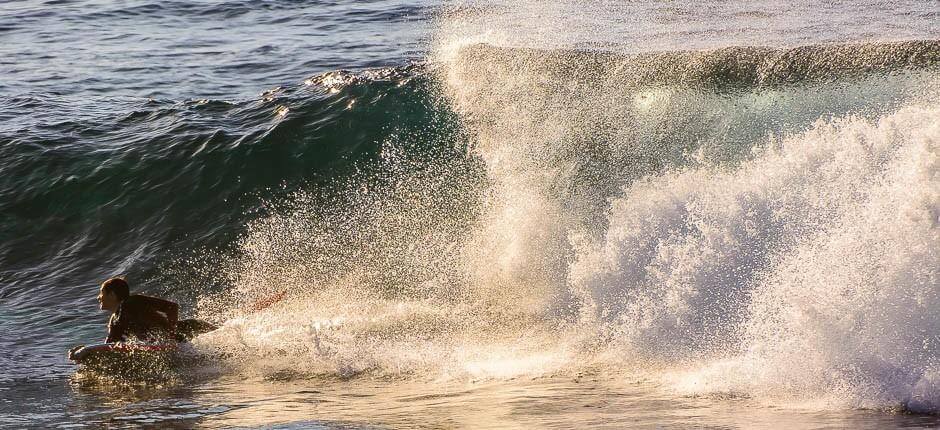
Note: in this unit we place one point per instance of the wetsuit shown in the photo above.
(143, 318)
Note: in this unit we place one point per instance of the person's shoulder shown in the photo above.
(138, 300)
(144, 300)
(132, 301)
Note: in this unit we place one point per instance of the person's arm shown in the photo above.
(117, 326)
(74, 355)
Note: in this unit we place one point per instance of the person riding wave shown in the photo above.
(140, 318)
(136, 317)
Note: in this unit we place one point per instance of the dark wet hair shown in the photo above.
(117, 286)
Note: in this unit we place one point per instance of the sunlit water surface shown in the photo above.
(504, 214)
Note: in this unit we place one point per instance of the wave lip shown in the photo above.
(744, 66)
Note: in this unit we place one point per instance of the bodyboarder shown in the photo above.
(140, 318)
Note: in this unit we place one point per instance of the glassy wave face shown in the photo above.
(748, 212)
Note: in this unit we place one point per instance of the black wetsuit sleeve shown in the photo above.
(166, 307)
(144, 318)
(117, 328)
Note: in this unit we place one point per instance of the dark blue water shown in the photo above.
(195, 50)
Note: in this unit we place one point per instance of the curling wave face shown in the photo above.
(91, 187)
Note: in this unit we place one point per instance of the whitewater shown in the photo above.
(734, 222)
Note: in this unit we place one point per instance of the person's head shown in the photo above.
(112, 293)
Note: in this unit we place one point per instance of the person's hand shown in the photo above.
(77, 353)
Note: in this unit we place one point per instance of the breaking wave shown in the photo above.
(753, 221)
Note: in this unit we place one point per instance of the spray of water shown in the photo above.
(762, 222)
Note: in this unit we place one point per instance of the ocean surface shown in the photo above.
(476, 214)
